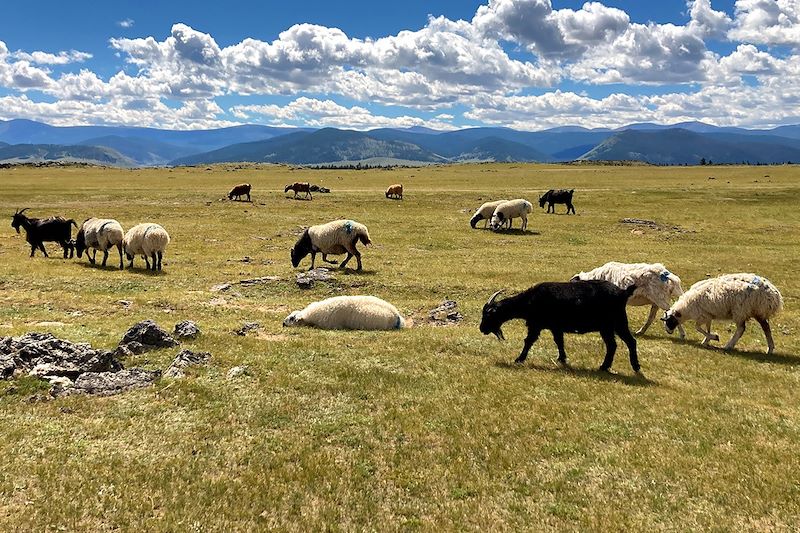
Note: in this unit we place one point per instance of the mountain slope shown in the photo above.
(679, 146)
(144, 152)
(20, 153)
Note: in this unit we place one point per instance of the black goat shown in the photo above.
(566, 307)
(41, 230)
(557, 196)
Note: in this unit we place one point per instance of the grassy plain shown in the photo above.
(430, 428)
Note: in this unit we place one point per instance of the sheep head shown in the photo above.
(671, 319)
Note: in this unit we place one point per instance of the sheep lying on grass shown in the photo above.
(736, 297)
(148, 240)
(507, 211)
(485, 213)
(348, 312)
(655, 285)
(334, 238)
(99, 234)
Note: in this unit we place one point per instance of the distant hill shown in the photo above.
(24, 153)
(144, 152)
(680, 146)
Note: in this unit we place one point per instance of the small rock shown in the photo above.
(108, 383)
(125, 303)
(221, 287)
(184, 359)
(445, 313)
(257, 281)
(306, 280)
(186, 330)
(150, 335)
(238, 371)
(247, 327)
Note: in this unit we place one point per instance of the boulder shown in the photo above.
(149, 335)
(184, 359)
(186, 330)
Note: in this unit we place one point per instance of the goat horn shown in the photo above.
(492, 298)
(19, 213)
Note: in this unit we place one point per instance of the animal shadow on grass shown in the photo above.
(520, 232)
(758, 357)
(297, 198)
(639, 380)
(347, 271)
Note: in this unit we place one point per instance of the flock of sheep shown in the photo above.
(592, 301)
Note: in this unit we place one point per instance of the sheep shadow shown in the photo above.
(297, 198)
(516, 231)
(636, 380)
(758, 357)
(144, 271)
(99, 266)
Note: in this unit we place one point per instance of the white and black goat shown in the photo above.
(41, 230)
(566, 307)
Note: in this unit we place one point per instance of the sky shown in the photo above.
(441, 64)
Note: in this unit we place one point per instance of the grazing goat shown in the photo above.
(560, 196)
(147, 240)
(99, 234)
(735, 297)
(655, 285)
(395, 191)
(41, 230)
(299, 187)
(566, 307)
(336, 238)
(240, 190)
(348, 312)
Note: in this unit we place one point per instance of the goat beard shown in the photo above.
(499, 334)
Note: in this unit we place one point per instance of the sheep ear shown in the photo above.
(492, 298)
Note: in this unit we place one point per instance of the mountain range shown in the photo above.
(677, 144)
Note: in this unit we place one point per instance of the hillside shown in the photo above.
(25, 153)
(679, 147)
(144, 152)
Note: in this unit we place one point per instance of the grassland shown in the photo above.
(430, 428)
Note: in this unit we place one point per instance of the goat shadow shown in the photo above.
(297, 198)
(639, 380)
(758, 357)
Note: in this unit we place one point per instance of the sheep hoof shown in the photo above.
(606, 369)
(714, 337)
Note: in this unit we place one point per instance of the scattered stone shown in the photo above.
(238, 371)
(306, 280)
(257, 281)
(652, 224)
(125, 303)
(149, 335)
(221, 287)
(184, 359)
(186, 330)
(52, 356)
(446, 313)
(247, 327)
(106, 383)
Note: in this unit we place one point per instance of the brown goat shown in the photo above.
(395, 191)
(240, 190)
(299, 187)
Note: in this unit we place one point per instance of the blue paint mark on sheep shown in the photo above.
(756, 281)
(665, 276)
(398, 323)
(348, 227)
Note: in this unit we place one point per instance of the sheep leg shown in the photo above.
(708, 337)
(331, 261)
(94, 256)
(160, 255)
(146, 262)
(524, 222)
(625, 334)
(346, 259)
(533, 334)
(736, 336)
(768, 334)
(611, 348)
(681, 331)
(155, 261)
(650, 318)
(313, 258)
(558, 337)
(105, 257)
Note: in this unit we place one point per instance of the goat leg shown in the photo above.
(533, 334)
(611, 349)
(558, 338)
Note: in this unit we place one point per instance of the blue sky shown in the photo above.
(527, 64)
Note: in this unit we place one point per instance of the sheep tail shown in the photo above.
(364, 238)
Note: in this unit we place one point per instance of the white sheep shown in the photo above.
(655, 285)
(509, 210)
(335, 238)
(484, 213)
(99, 234)
(348, 312)
(148, 240)
(735, 297)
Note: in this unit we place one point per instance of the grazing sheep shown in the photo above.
(507, 211)
(41, 230)
(240, 190)
(559, 196)
(148, 240)
(566, 307)
(485, 213)
(395, 191)
(655, 285)
(348, 312)
(735, 297)
(299, 187)
(99, 234)
(335, 238)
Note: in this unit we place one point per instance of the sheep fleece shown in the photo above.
(330, 238)
(146, 239)
(102, 240)
(735, 297)
(655, 284)
(348, 312)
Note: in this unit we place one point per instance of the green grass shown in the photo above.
(430, 428)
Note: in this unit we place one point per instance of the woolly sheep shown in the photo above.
(336, 238)
(655, 285)
(735, 297)
(395, 191)
(148, 240)
(484, 213)
(99, 234)
(348, 312)
(507, 211)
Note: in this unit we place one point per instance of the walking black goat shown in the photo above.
(41, 230)
(566, 307)
(557, 196)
